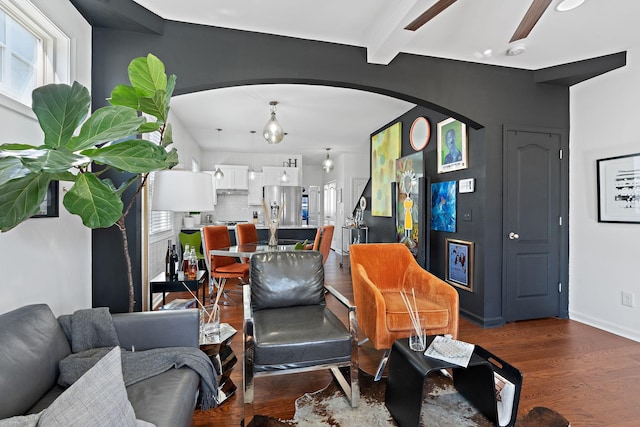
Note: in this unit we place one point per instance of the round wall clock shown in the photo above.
(420, 133)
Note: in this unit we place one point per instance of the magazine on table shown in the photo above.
(505, 392)
(449, 350)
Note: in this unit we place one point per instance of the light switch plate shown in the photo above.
(467, 185)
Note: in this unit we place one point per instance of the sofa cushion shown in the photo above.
(98, 398)
(32, 345)
(166, 400)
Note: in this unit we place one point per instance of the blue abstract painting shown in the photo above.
(443, 206)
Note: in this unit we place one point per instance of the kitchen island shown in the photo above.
(288, 232)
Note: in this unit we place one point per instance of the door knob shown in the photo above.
(514, 236)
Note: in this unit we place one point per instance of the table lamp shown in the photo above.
(182, 191)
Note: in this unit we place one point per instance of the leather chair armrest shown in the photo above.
(155, 329)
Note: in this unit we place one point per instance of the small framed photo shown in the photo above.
(619, 189)
(49, 206)
(459, 264)
(452, 145)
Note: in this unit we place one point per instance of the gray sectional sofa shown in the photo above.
(32, 343)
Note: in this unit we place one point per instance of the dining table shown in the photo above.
(247, 250)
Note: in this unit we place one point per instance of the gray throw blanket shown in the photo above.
(95, 334)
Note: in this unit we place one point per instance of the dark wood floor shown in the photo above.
(589, 376)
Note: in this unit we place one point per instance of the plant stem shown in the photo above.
(127, 258)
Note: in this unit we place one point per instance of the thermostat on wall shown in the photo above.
(467, 185)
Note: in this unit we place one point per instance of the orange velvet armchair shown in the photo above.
(379, 272)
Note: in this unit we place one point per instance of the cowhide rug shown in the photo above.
(443, 406)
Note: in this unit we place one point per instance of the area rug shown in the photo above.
(443, 406)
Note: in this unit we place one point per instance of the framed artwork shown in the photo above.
(386, 147)
(49, 206)
(452, 145)
(619, 189)
(409, 200)
(443, 206)
(459, 263)
(420, 133)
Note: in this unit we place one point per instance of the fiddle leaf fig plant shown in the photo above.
(74, 141)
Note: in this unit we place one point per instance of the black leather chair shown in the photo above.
(287, 326)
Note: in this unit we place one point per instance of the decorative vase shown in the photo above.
(210, 324)
(189, 221)
(273, 234)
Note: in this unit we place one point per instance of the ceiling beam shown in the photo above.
(530, 19)
(429, 14)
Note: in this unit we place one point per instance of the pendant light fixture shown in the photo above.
(327, 164)
(252, 173)
(218, 173)
(273, 132)
(284, 177)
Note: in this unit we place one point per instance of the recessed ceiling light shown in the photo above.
(516, 50)
(566, 5)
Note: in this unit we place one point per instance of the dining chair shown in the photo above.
(194, 240)
(221, 268)
(380, 272)
(322, 242)
(288, 327)
(246, 233)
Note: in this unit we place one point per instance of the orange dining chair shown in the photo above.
(246, 233)
(322, 242)
(221, 267)
(379, 273)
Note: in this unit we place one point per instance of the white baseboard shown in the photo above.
(605, 326)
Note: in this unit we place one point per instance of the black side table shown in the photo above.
(161, 284)
(409, 369)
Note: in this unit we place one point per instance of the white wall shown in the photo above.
(604, 257)
(48, 260)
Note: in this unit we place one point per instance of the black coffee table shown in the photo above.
(408, 370)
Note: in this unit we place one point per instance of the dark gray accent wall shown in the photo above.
(483, 96)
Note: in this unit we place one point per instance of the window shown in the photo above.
(30, 47)
(159, 221)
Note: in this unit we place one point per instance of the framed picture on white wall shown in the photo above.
(619, 189)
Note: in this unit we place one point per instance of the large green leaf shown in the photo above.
(134, 155)
(60, 110)
(54, 161)
(107, 124)
(125, 95)
(167, 137)
(21, 198)
(155, 105)
(172, 158)
(149, 127)
(171, 85)
(11, 168)
(147, 75)
(93, 201)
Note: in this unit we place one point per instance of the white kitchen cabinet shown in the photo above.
(255, 189)
(273, 174)
(235, 177)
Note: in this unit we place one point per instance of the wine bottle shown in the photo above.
(185, 259)
(175, 263)
(167, 261)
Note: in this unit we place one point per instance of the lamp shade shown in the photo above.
(182, 191)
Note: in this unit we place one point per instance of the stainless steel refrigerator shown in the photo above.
(288, 196)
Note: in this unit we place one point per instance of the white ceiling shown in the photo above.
(466, 31)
